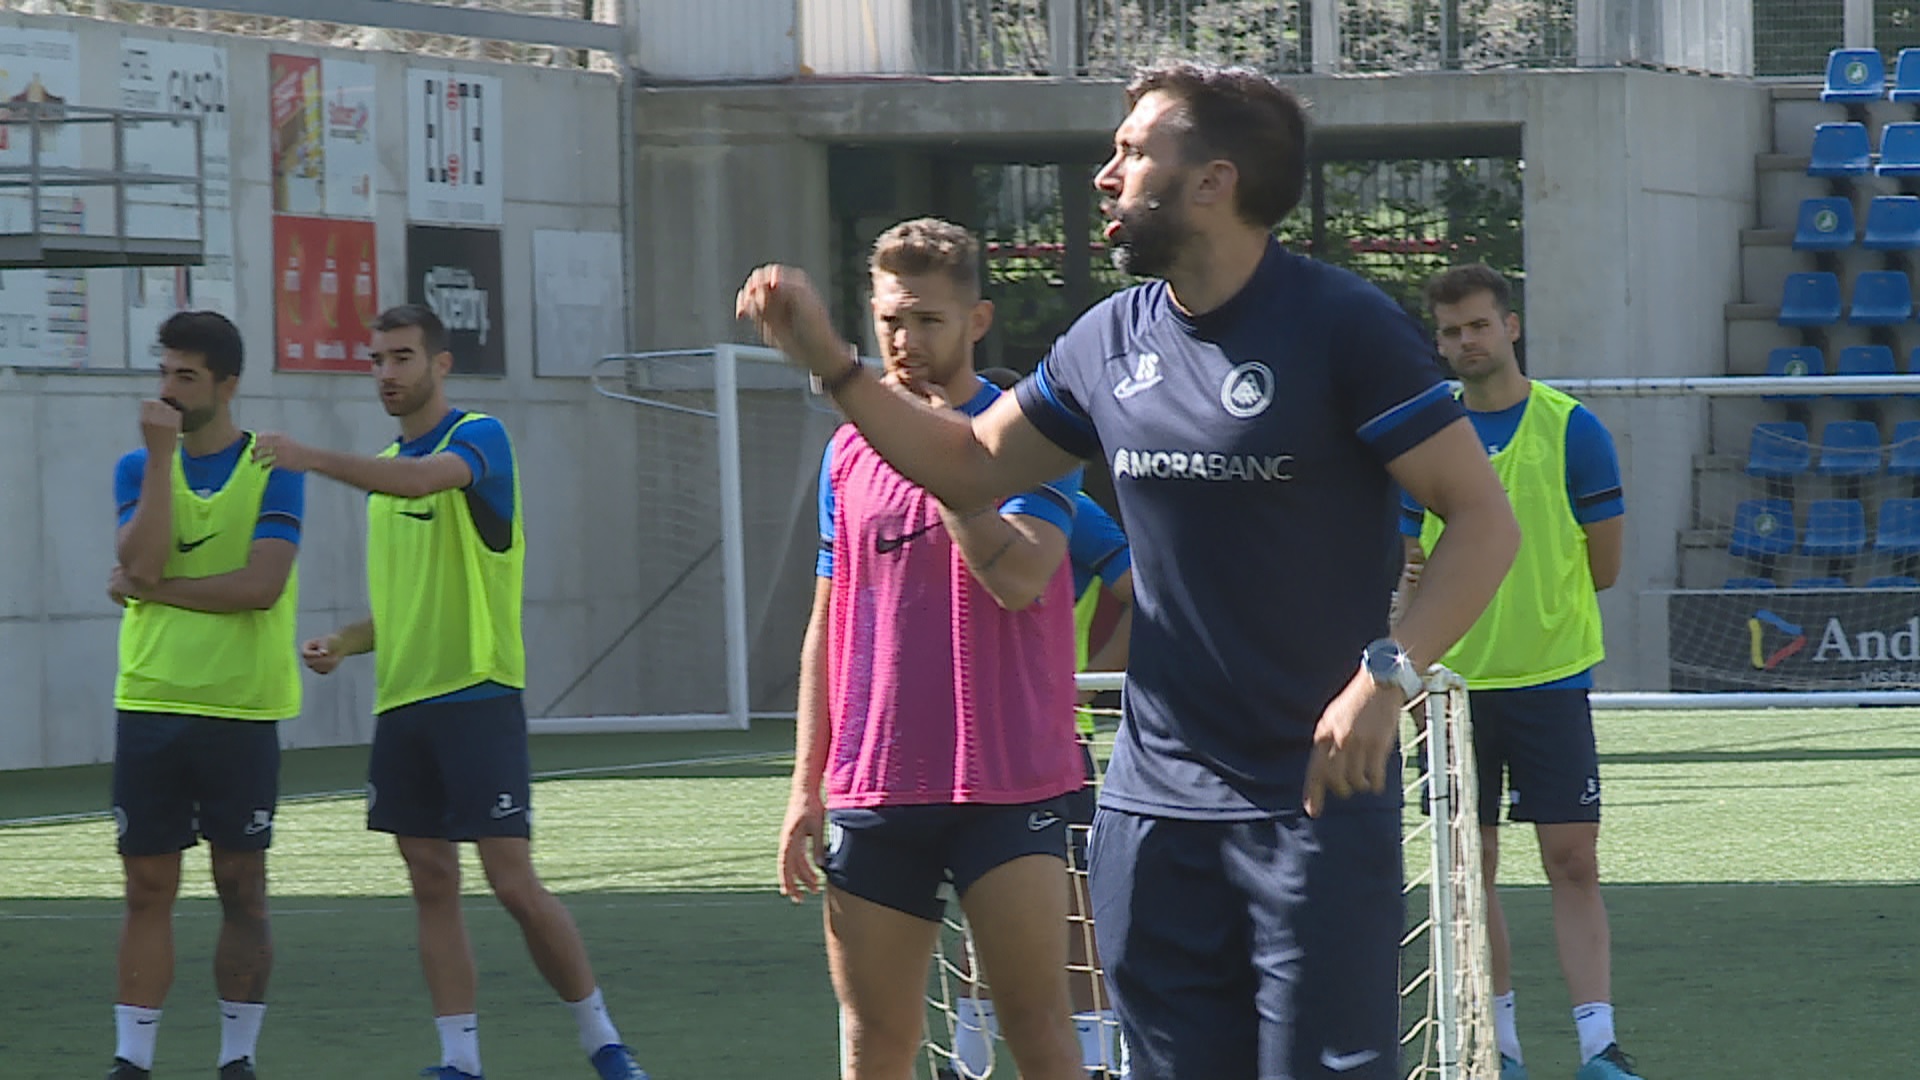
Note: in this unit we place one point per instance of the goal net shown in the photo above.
(1446, 990)
(1795, 503)
(699, 615)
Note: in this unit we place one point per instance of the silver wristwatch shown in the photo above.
(1386, 662)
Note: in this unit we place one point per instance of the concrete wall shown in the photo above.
(1637, 185)
(60, 432)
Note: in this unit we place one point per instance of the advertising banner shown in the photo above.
(324, 293)
(456, 272)
(1794, 639)
(455, 152)
(579, 309)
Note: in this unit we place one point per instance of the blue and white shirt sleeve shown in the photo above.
(1051, 397)
(1097, 545)
(282, 506)
(1593, 470)
(1051, 502)
(484, 446)
(1393, 390)
(1413, 516)
(127, 474)
(823, 562)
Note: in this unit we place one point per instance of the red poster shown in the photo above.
(324, 292)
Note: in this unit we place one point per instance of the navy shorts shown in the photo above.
(1079, 812)
(452, 770)
(1253, 949)
(178, 778)
(1541, 743)
(899, 856)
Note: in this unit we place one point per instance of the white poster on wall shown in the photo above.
(455, 153)
(38, 67)
(352, 159)
(43, 318)
(579, 309)
(177, 77)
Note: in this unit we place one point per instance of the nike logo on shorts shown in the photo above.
(1346, 1062)
(1041, 819)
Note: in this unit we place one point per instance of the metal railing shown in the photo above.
(1113, 37)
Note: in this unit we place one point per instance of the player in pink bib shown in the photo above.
(936, 704)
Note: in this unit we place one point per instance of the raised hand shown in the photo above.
(159, 425)
(787, 311)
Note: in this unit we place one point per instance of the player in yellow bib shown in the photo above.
(1528, 661)
(205, 571)
(446, 557)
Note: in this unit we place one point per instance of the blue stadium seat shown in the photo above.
(1899, 527)
(1819, 583)
(1893, 223)
(1824, 225)
(1881, 298)
(1835, 527)
(1810, 300)
(1906, 76)
(1748, 583)
(1850, 448)
(1792, 363)
(1855, 75)
(1840, 150)
(1876, 360)
(1779, 449)
(1893, 581)
(1762, 528)
(1899, 150)
(1903, 450)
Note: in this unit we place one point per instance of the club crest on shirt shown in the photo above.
(1247, 390)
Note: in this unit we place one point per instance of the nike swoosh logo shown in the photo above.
(145, 1023)
(1346, 1062)
(418, 515)
(500, 812)
(1037, 821)
(886, 545)
(187, 546)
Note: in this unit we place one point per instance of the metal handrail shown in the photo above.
(39, 116)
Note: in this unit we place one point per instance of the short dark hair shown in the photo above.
(1244, 117)
(1455, 284)
(210, 335)
(929, 246)
(1003, 377)
(433, 332)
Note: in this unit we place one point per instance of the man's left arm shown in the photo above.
(403, 477)
(1594, 489)
(257, 585)
(1014, 551)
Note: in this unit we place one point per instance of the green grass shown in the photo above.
(1761, 873)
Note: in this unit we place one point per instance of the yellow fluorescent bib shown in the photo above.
(239, 665)
(446, 609)
(1544, 622)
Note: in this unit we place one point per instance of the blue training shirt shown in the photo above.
(282, 505)
(484, 446)
(1249, 449)
(1593, 484)
(1096, 548)
(1052, 503)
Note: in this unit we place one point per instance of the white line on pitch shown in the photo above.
(342, 793)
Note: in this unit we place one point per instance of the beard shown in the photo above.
(1149, 238)
(192, 420)
(411, 399)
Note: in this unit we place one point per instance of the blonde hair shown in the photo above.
(929, 246)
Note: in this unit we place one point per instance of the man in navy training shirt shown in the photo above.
(1256, 408)
(1530, 664)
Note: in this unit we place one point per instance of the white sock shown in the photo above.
(973, 1032)
(1505, 1035)
(596, 1027)
(1096, 1039)
(239, 1029)
(1126, 1059)
(1594, 1022)
(460, 1041)
(137, 1029)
